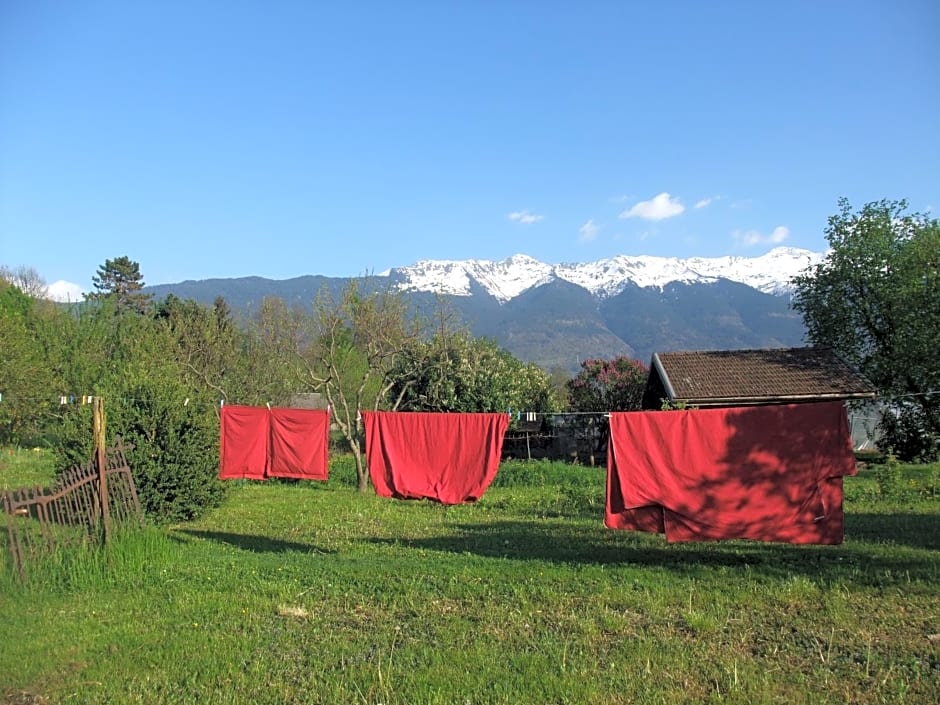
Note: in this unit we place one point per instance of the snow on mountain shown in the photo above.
(504, 280)
(770, 273)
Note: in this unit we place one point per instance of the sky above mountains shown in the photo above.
(220, 139)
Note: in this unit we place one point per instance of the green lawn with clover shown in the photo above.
(313, 593)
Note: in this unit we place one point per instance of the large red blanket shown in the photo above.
(451, 458)
(256, 443)
(771, 473)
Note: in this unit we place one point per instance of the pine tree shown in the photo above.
(119, 280)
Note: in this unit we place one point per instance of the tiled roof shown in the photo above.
(756, 376)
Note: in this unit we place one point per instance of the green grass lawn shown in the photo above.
(25, 467)
(312, 593)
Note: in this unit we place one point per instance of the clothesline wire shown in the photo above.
(84, 399)
(71, 400)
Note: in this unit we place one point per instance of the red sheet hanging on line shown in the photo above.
(257, 443)
(299, 443)
(448, 457)
(771, 473)
(243, 443)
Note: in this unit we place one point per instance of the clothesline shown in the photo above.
(85, 399)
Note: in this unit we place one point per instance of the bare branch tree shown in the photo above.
(351, 353)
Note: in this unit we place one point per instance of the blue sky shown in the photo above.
(227, 139)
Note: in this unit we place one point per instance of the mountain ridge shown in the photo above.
(505, 279)
(559, 315)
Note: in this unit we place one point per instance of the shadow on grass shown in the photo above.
(861, 563)
(247, 542)
(912, 529)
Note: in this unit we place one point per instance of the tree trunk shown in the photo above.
(362, 474)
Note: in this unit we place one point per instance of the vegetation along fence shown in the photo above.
(78, 509)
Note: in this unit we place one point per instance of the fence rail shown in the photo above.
(41, 520)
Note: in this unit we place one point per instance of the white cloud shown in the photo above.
(705, 202)
(64, 292)
(749, 238)
(524, 217)
(658, 208)
(588, 231)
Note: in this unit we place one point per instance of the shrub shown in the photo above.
(908, 436)
(889, 478)
(175, 455)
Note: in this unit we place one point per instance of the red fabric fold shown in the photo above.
(243, 443)
(256, 443)
(448, 457)
(770, 473)
(299, 443)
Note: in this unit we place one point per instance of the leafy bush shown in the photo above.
(608, 385)
(890, 480)
(175, 455)
(176, 444)
(908, 435)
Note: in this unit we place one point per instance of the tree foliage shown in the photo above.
(608, 385)
(131, 362)
(456, 372)
(348, 351)
(120, 280)
(25, 366)
(875, 300)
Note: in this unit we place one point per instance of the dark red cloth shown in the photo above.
(257, 443)
(299, 443)
(243, 443)
(451, 458)
(770, 473)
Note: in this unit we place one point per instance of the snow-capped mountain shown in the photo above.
(557, 315)
(770, 273)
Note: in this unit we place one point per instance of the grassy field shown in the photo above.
(312, 593)
(25, 467)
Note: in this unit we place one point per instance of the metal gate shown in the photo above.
(74, 511)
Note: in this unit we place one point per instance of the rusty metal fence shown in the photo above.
(42, 520)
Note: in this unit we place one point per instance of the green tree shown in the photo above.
(27, 375)
(608, 385)
(211, 349)
(457, 372)
(349, 352)
(120, 280)
(875, 300)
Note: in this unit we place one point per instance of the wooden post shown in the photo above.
(99, 426)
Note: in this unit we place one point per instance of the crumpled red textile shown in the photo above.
(448, 457)
(256, 443)
(770, 473)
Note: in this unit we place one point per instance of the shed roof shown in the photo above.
(736, 377)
